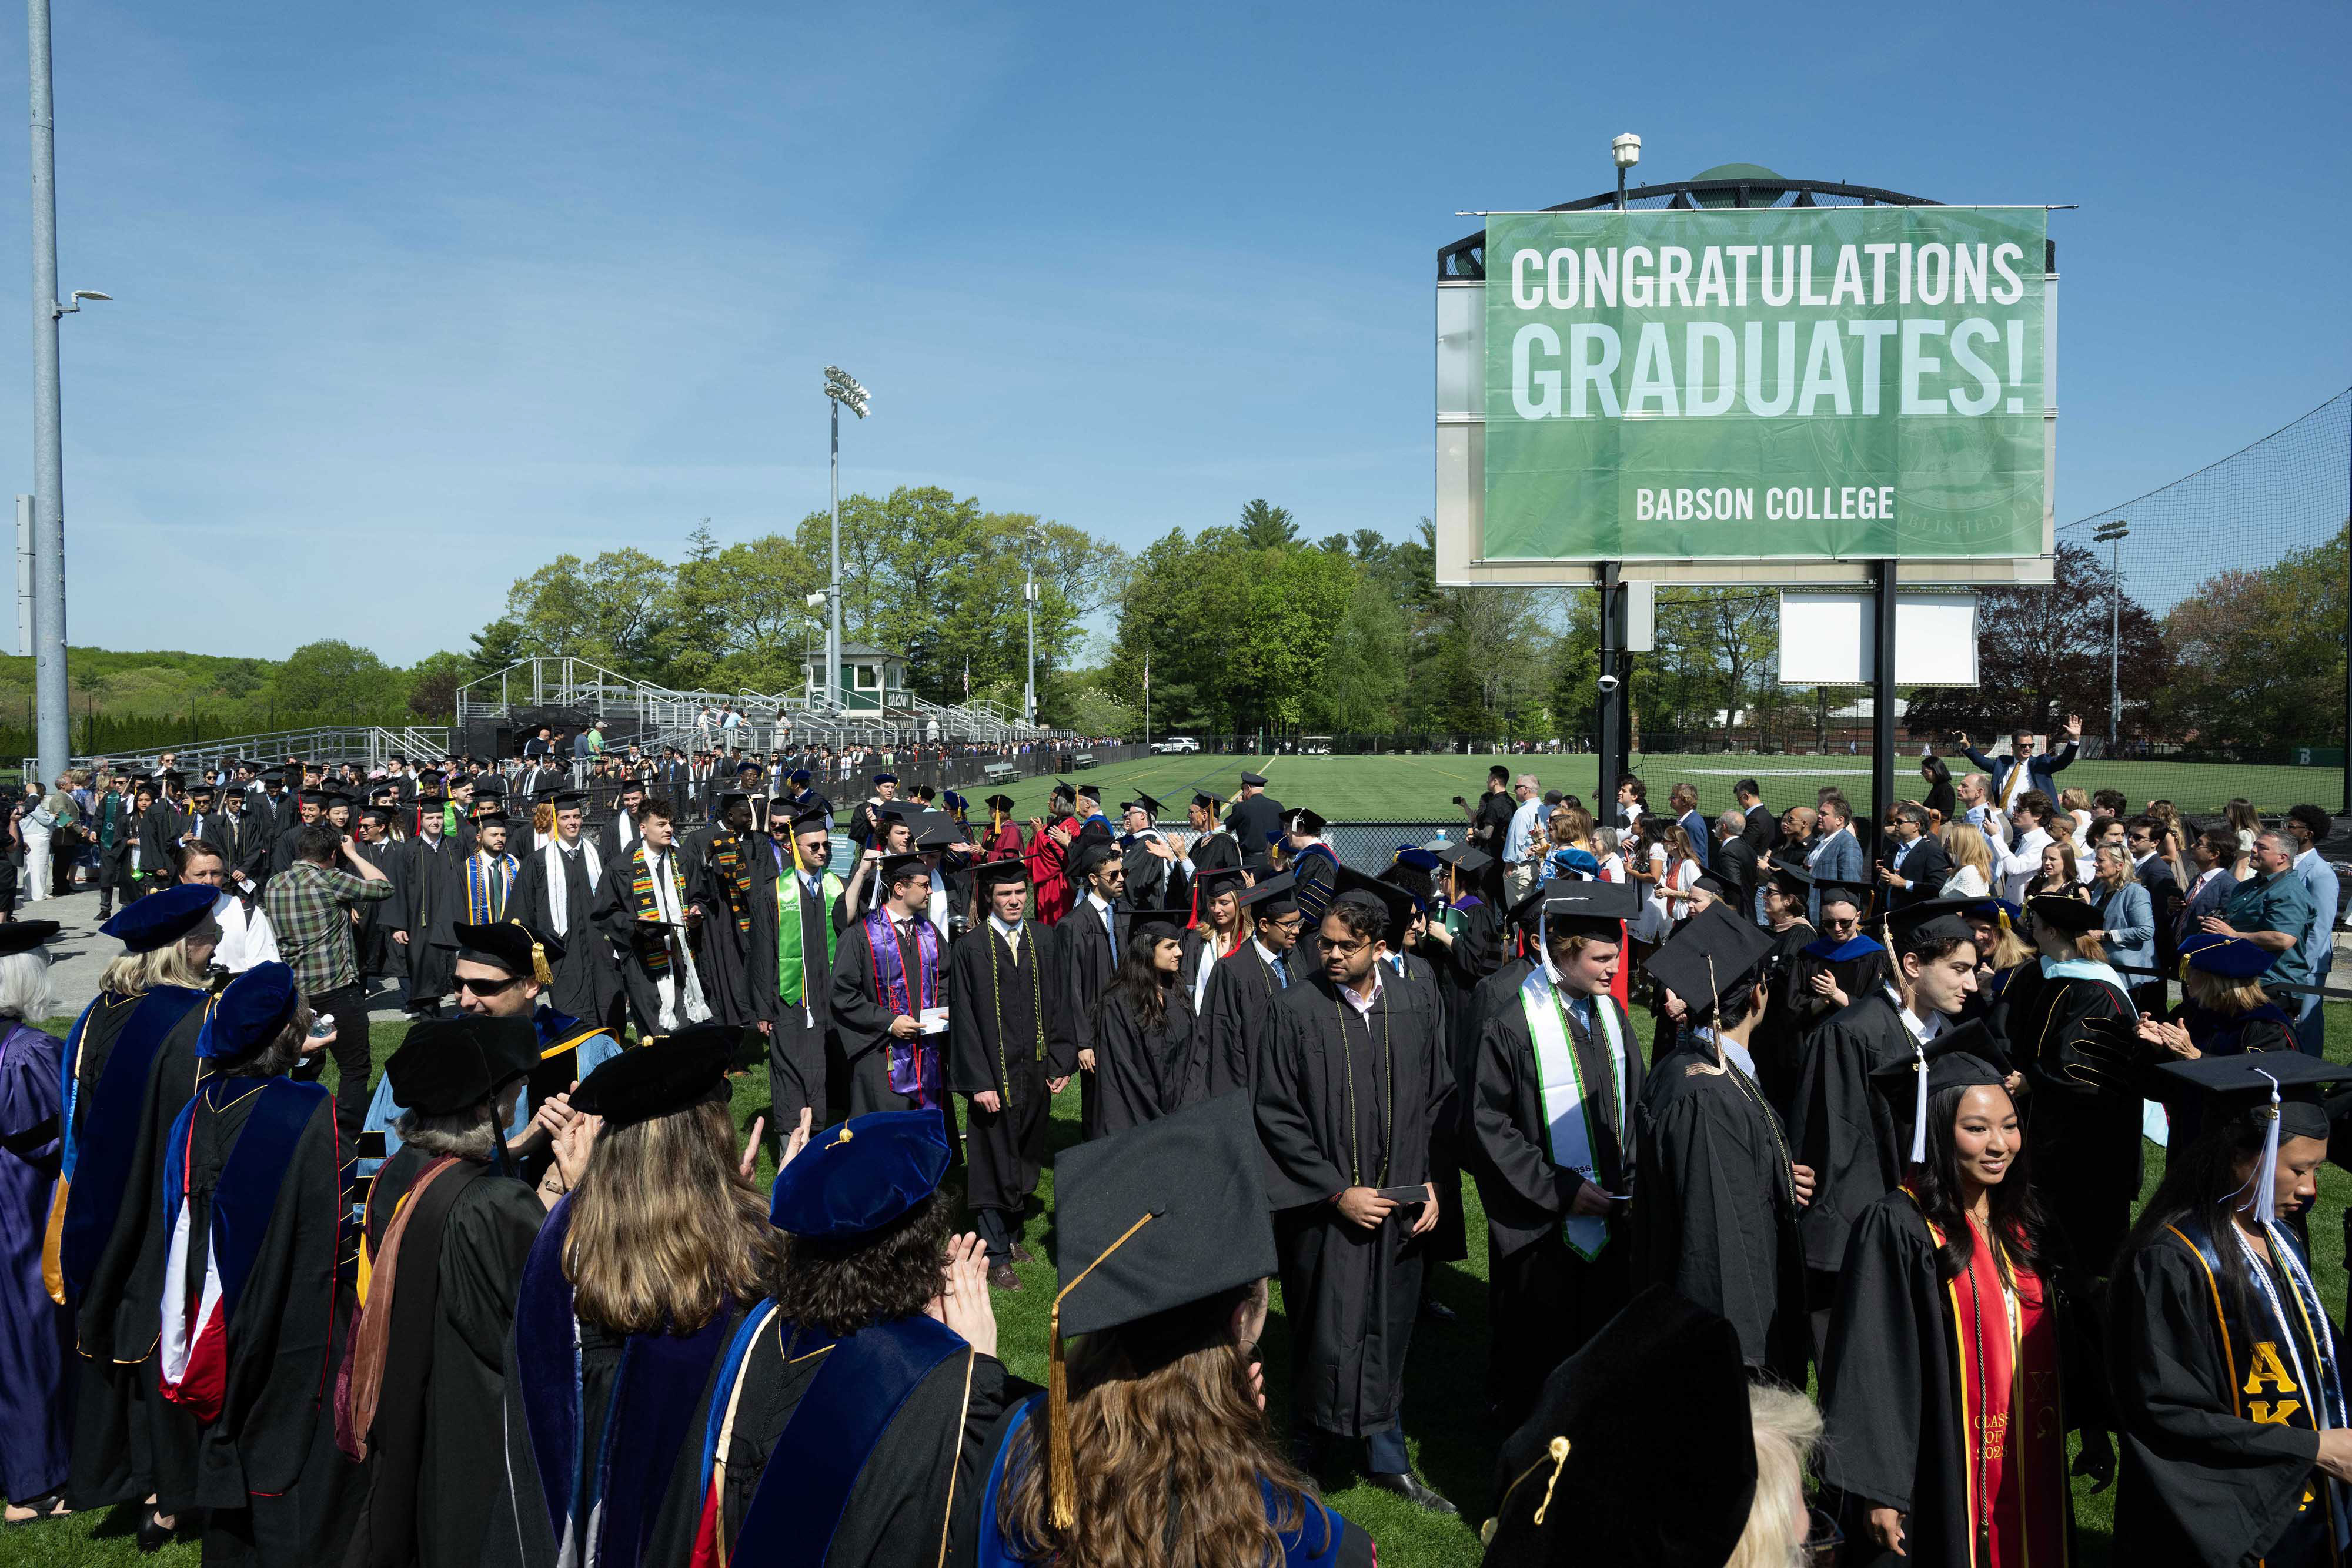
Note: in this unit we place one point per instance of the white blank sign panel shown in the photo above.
(1825, 639)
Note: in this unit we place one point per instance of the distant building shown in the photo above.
(871, 679)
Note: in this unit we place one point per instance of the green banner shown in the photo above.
(1847, 383)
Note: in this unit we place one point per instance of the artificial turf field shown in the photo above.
(1421, 788)
(1445, 1384)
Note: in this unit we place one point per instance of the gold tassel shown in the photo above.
(1560, 1447)
(1060, 1469)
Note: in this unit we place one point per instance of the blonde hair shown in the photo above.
(665, 1230)
(1967, 847)
(2220, 993)
(135, 974)
(1786, 1428)
(2074, 799)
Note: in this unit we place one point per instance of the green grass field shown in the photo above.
(1445, 1395)
(1422, 788)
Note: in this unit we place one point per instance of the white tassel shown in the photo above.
(2265, 1178)
(1919, 1108)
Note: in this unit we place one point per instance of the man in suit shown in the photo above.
(1736, 860)
(1915, 866)
(2022, 770)
(2212, 852)
(1761, 830)
(1836, 855)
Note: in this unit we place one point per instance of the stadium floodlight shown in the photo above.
(842, 390)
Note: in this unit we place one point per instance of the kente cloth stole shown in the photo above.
(642, 903)
(735, 876)
(1571, 1128)
(489, 879)
(791, 959)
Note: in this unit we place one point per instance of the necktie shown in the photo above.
(1583, 1008)
(1281, 976)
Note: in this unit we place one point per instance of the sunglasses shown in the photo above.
(489, 987)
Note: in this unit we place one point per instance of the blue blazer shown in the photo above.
(2039, 770)
(2130, 920)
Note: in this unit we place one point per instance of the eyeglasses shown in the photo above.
(1345, 948)
(1836, 925)
(489, 987)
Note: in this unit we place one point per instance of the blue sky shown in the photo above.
(412, 298)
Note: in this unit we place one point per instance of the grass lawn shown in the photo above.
(1422, 788)
(1445, 1397)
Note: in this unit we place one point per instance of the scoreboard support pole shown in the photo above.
(1882, 713)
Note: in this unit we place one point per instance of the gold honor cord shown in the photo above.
(1388, 1063)
(1554, 1454)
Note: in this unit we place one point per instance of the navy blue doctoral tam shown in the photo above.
(860, 1176)
(161, 918)
(251, 1012)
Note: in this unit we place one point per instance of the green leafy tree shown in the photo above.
(335, 682)
(2258, 656)
(497, 645)
(608, 610)
(1265, 526)
(433, 686)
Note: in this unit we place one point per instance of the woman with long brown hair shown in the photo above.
(1144, 1025)
(638, 1280)
(1150, 1448)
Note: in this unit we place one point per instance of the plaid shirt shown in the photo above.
(306, 906)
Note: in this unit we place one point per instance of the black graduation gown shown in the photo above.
(423, 1480)
(1892, 1399)
(1141, 1066)
(2071, 1038)
(1088, 960)
(1003, 1035)
(616, 916)
(1840, 1128)
(1212, 851)
(279, 1489)
(256, 839)
(1449, 1241)
(1151, 882)
(1325, 1116)
(1546, 1300)
(725, 952)
(214, 826)
(863, 1021)
(804, 1062)
(378, 954)
(1229, 1048)
(921, 1475)
(2202, 1481)
(1715, 1205)
(2265, 1028)
(159, 839)
(1859, 964)
(1776, 1045)
(431, 885)
(586, 980)
(128, 1441)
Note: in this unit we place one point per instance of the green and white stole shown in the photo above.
(1570, 1130)
(792, 958)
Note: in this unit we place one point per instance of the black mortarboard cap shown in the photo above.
(1062, 792)
(990, 872)
(490, 785)
(1273, 895)
(1207, 802)
(1156, 925)
(806, 818)
(659, 1078)
(1305, 821)
(1911, 929)
(1793, 880)
(24, 936)
(2211, 1089)
(1590, 907)
(1461, 857)
(1151, 806)
(490, 816)
(512, 946)
(728, 798)
(1710, 956)
(893, 867)
(1662, 1376)
(1217, 879)
(1394, 904)
(2064, 912)
(940, 832)
(570, 800)
(1964, 1056)
(999, 803)
(1843, 892)
(1089, 853)
(444, 1065)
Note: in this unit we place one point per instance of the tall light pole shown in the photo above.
(2114, 533)
(841, 389)
(52, 722)
(1029, 599)
(1624, 151)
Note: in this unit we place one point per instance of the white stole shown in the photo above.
(1567, 1108)
(559, 897)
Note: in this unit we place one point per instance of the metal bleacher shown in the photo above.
(653, 716)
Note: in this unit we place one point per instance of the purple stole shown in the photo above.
(660, 1381)
(914, 1063)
